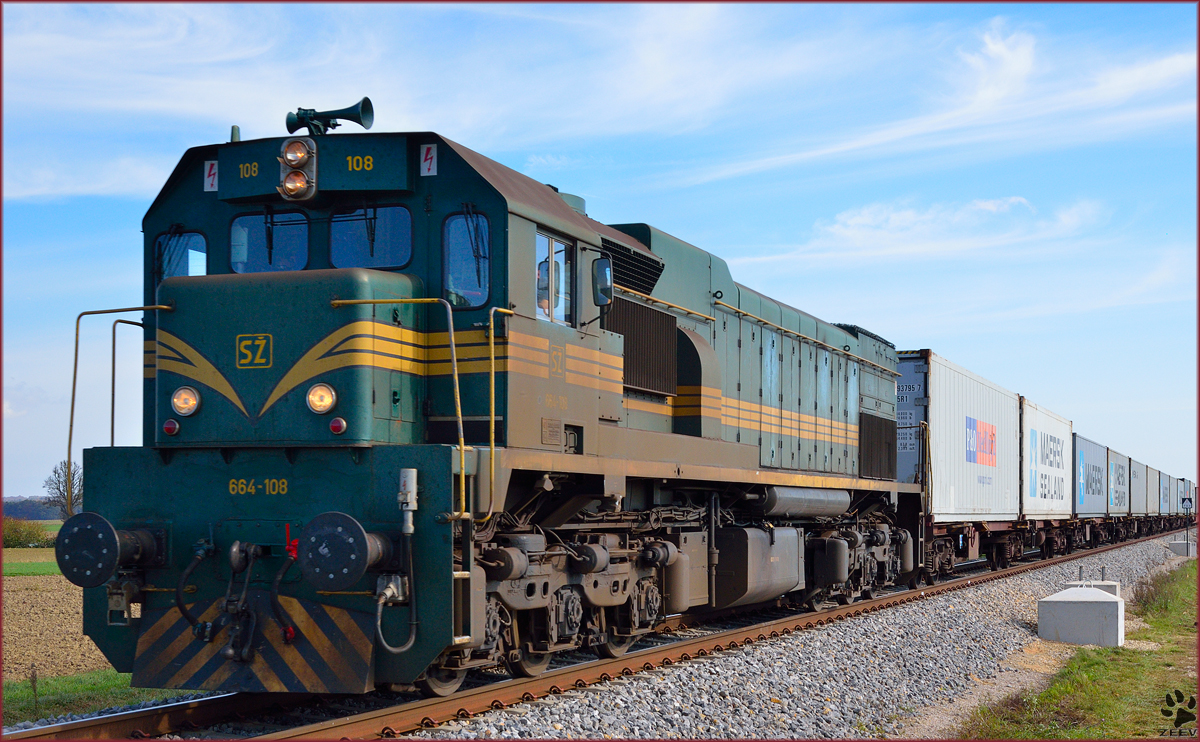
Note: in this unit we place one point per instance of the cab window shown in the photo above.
(466, 266)
(373, 237)
(555, 279)
(181, 254)
(269, 241)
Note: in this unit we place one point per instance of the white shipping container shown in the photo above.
(1138, 491)
(1118, 483)
(974, 439)
(1091, 478)
(1152, 490)
(1177, 499)
(1164, 493)
(1045, 463)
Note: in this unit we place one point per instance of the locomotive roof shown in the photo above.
(539, 202)
(526, 197)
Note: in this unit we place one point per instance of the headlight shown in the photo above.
(296, 153)
(321, 398)
(295, 183)
(185, 400)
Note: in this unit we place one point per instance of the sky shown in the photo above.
(1012, 185)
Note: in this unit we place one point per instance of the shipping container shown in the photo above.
(1177, 497)
(1118, 483)
(1045, 463)
(1164, 493)
(1091, 478)
(1189, 493)
(960, 434)
(1152, 490)
(1139, 491)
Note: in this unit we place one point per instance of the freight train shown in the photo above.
(407, 412)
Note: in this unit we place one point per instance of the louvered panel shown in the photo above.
(650, 345)
(876, 447)
(633, 269)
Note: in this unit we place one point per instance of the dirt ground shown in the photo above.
(43, 626)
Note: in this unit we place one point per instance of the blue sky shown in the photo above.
(1013, 186)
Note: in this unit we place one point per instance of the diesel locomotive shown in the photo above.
(408, 412)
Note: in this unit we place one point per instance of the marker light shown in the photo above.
(296, 153)
(295, 183)
(337, 426)
(321, 398)
(171, 427)
(185, 400)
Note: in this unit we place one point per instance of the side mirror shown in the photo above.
(602, 282)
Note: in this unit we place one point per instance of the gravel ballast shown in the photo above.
(854, 678)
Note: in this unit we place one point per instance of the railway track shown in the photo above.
(291, 717)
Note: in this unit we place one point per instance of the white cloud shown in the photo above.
(1002, 67)
(49, 176)
(10, 412)
(999, 96)
(900, 231)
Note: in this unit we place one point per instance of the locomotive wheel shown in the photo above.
(842, 599)
(615, 646)
(440, 682)
(530, 664)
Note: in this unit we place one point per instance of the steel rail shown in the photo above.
(801, 336)
(391, 722)
(164, 719)
(75, 381)
(463, 513)
(112, 416)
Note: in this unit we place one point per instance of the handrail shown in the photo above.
(112, 412)
(463, 513)
(492, 409)
(75, 379)
(649, 298)
(785, 330)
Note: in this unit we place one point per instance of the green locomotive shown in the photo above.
(487, 427)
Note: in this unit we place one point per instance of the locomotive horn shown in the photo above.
(363, 114)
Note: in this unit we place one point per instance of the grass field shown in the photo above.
(29, 562)
(51, 526)
(1116, 693)
(74, 694)
(30, 569)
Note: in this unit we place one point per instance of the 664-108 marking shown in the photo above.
(251, 487)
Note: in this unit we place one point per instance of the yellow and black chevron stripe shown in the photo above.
(173, 354)
(333, 651)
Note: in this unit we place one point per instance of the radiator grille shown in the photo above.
(876, 447)
(633, 269)
(650, 345)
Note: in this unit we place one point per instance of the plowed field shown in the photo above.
(43, 626)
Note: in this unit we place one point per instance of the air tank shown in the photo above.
(804, 502)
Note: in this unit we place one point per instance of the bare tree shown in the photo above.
(56, 487)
